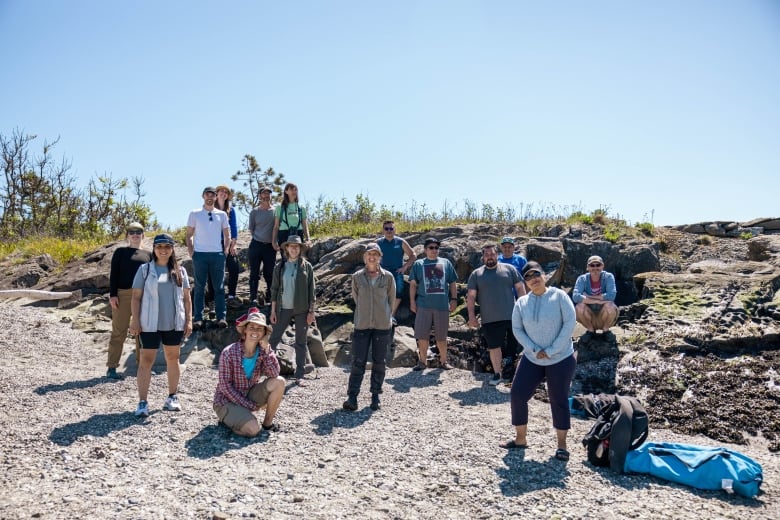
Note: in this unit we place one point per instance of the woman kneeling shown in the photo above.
(249, 379)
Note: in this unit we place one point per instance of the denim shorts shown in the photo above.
(171, 338)
(399, 284)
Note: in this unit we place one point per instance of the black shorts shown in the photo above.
(595, 307)
(498, 334)
(171, 338)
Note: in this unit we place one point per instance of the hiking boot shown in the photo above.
(585, 338)
(233, 302)
(222, 324)
(142, 410)
(609, 336)
(419, 366)
(254, 303)
(172, 404)
(375, 403)
(350, 404)
(113, 374)
(495, 380)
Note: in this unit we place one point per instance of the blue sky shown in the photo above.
(660, 110)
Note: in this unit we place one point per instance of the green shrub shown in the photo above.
(646, 228)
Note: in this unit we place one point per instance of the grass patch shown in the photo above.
(61, 250)
(675, 302)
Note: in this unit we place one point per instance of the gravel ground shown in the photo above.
(72, 449)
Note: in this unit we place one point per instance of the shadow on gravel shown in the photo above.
(96, 426)
(480, 395)
(340, 419)
(73, 385)
(522, 476)
(214, 440)
(430, 377)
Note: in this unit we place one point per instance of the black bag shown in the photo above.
(620, 427)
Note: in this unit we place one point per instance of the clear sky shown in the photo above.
(662, 110)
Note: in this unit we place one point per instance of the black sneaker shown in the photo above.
(350, 404)
(375, 403)
(585, 338)
(419, 366)
(254, 303)
(609, 336)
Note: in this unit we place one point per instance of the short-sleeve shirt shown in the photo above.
(494, 291)
(433, 278)
(516, 260)
(166, 316)
(208, 226)
(291, 220)
(392, 253)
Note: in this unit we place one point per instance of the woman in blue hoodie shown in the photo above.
(543, 321)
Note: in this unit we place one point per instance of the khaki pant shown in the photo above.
(120, 322)
(235, 416)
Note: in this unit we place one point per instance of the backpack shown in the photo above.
(702, 467)
(621, 426)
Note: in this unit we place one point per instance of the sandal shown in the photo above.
(562, 454)
(272, 428)
(512, 445)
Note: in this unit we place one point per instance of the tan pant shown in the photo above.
(235, 416)
(120, 322)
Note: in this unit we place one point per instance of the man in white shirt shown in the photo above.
(207, 230)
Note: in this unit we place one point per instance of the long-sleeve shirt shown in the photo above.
(124, 263)
(233, 385)
(373, 300)
(545, 322)
(582, 287)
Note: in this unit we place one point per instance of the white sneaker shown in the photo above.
(142, 410)
(172, 404)
(495, 380)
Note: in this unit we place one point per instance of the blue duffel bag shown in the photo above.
(702, 467)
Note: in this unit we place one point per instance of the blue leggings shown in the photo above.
(527, 378)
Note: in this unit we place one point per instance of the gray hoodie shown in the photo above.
(546, 323)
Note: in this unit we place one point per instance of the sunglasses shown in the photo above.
(389, 228)
(435, 248)
(135, 232)
(211, 218)
(594, 265)
(530, 275)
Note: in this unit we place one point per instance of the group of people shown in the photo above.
(150, 296)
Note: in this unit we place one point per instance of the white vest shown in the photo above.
(150, 301)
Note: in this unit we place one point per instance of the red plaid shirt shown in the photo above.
(233, 385)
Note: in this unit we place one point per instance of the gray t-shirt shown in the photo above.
(288, 285)
(495, 291)
(166, 318)
(261, 224)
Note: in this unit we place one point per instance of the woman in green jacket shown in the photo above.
(292, 298)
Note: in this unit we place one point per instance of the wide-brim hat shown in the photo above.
(253, 315)
(293, 239)
(135, 226)
(228, 190)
